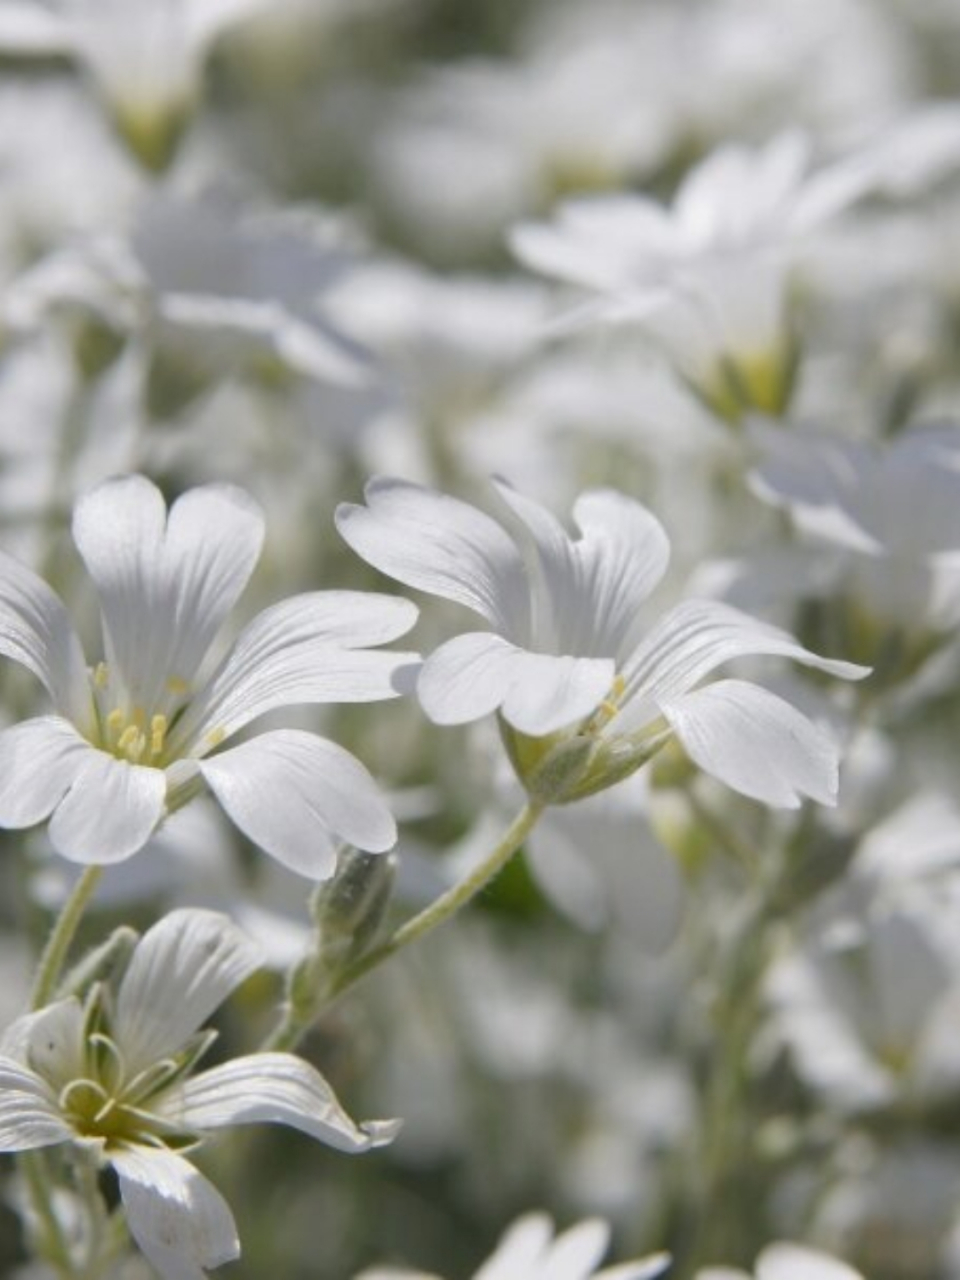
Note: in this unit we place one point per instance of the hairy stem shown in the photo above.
(297, 1020)
(61, 937)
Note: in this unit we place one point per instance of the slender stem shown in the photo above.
(297, 1021)
(52, 1245)
(64, 931)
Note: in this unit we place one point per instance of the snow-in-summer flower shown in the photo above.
(530, 1251)
(587, 690)
(708, 277)
(882, 526)
(784, 1261)
(145, 57)
(137, 735)
(112, 1075)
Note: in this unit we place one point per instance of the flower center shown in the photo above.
(133, 732)
(105, 1104)
(130, 736)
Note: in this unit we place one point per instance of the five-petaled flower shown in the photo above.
(112, 1075)
(586, 693)
(136, 736)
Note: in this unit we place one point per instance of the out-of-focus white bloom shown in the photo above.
(870, 1013)
(145, 57)
(245, 285)
(448, 341)
(891, 514)
(784, 1261)
(113, 1077)
(210, 291)
(138, 735)
(529, 1251)
(708, 276)
(600, 862)
(587, 696)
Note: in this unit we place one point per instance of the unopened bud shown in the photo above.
(349, 908)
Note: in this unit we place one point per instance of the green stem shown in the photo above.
(64, 931)
(52, 1245)
(297, 1021)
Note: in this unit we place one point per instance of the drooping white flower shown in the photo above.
(530, 1251)
(582, 684)
(113, 1076)
(136, 736)
(145, 57)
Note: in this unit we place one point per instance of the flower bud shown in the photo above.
(349, 908)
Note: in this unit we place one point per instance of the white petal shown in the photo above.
(696, 637)
(299, 796)
(29, 1116)
(467, 678)
(576, 1253)
(181, 970)
(39, 762)
(642, 1269)
(178, 1218)
(592, 587)
(756, 743)
(475, 674)
(35, 630)
(110, 810)
(393, 1273)
(550, 693)
(243, 328)
(272, 1088)
(54, 1045)
(165, 584)
(441, 545)
(627, 552)
(31, 29)
(521, 1250)
(784, 1261)
(309, 649)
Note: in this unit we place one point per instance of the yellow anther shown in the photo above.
(177, 686)
(158, 732)
(116, 720)
(131, 742)
(101, 676)
(216, 736)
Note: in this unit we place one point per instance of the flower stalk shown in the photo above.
(304, 1006)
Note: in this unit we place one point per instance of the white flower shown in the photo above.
(566, 662)
(113, 1076)
(137, 736)
(708, 276)
(783, 1261)
(229, 287)
(529, 1251)
(145, 56)
(891, 513)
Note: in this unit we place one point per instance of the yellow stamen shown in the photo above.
(215, 737)
(132, 742)
(610, 706)
(158, 732)
(101, 676)
(177, 686)
(116, 721)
